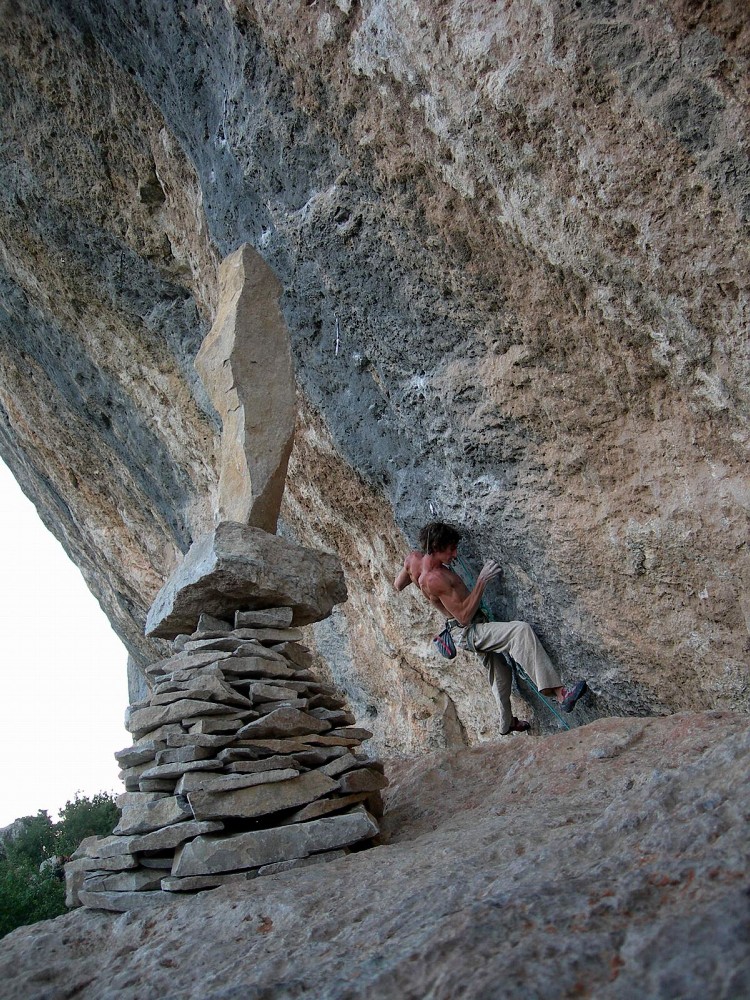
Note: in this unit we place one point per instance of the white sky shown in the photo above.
(63, 676)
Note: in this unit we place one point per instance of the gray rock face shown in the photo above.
(240, 566)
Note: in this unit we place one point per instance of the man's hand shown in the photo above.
(489, 571)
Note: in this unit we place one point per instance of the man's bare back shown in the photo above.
(443, 588)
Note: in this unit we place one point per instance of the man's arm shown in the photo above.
(449, 589)
(403, 580)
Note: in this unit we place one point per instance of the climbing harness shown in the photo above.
(520, 672)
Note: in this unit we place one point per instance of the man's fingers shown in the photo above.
(490, 570)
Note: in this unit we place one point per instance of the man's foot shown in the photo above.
(571, 695)
(519, 726)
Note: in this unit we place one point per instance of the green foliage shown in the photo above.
(83, 818)
(28, 895)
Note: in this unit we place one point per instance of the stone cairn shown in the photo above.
(243, 763)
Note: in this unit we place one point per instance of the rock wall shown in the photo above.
(512, 242)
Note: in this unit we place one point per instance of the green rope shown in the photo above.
(519, 669)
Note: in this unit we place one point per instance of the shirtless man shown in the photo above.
(430, 571)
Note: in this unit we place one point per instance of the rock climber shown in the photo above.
(430, 571)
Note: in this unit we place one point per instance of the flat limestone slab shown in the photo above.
(169, 837)
(140, 880)
(283, 723)
(142, 813)
(231, 782)
(143, 720)
(261, 799)
(238, 566)
(264, 618)
(206, 855)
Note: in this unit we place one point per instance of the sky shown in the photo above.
(63, 672)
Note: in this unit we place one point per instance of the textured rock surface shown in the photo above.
(246, 367)
(241, 566)
(512, 244)
(610, 862)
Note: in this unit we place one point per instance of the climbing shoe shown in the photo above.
(519, 726)
(571, 696)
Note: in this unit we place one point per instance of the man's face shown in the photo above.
(448, 554)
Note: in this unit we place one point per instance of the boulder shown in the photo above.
(240, 566)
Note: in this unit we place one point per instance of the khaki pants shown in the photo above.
(518, 640)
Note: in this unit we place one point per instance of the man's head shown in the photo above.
(437, 536)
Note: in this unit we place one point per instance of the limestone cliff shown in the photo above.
(512, 240)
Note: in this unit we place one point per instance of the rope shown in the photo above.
(520, 672)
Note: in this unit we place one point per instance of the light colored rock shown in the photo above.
(139, 880)
(140, 754)
(257, 666)
(352, 733)
(199, 740)
(269, 692)
(264, 618)
(248, 758)
(186, 661)
(246, 366)
(236, 566)
(295, 652)
(102, 847)
(270, 636)
(218, 724)
(281, 723)
(266, 707)
(362, 780)
(344, 762)
(184, 754)
(143, 812)
(144, 720)
(212, 625)
(77, 869)
(176, 770)
(169, 837)
(262, 847)
(263, 799)
(229, 782)
(155, 785)
(314, 810)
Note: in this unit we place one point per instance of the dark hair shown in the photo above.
(437, 535)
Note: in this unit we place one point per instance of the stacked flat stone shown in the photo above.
(243, 764)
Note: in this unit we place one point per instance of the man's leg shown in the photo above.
(520, 641)
(500, 677)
